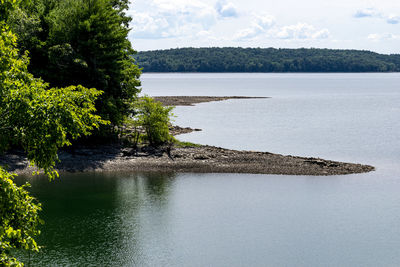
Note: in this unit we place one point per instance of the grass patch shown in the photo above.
(186, 144)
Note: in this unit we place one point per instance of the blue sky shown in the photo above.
(344, 24)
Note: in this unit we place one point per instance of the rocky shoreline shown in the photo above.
(184, 157)
(176, 130)
(188, 159)
(192, 100)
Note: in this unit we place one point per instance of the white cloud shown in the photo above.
(383, 37)
(265, 21)
(206, 36)
(172, 18)
(374, 13)
(367, 12)
(322, 34)
(265, 26)
(260, 25)
(393, 19)
(147, 26)
(226, 9)
(302, 31)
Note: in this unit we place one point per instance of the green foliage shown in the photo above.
(155, 119)
(265, 60)
(41, 120)
(19, 219)
(28, 27)
(70, 42)
(186, 144)
(36, 117)
(82, 42)
(131, 132)
(5, 8)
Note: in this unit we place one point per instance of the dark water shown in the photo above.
(131, 219)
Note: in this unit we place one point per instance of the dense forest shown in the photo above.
(231, 59)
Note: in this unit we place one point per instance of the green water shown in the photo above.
(98, 220)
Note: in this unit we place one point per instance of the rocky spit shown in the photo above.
(189, 159)
(192, 100)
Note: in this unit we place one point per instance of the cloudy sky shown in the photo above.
(345, 24)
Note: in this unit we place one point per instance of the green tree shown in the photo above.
(82, 42)
(155, 120)
(38, 118)
(41, 120)
(19, 219)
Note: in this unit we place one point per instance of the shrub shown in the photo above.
(154, 119)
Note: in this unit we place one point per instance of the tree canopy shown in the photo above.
(231, 59)
(81, 42)
(41, 120)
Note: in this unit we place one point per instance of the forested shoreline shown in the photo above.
(231, 59)
(66, 75)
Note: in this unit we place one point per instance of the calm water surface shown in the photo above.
(136, 219)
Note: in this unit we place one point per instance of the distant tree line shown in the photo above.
(230, 59)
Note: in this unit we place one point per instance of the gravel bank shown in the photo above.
(202, 159)
(197, 159)
(192, 100)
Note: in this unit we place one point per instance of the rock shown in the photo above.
(127, 152)
(201, 157)
(148, 149)
(316, 161)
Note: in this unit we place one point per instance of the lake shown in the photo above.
(184, 219)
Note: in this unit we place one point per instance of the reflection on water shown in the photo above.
(218, 220)
(96, 218)
(245, 220)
